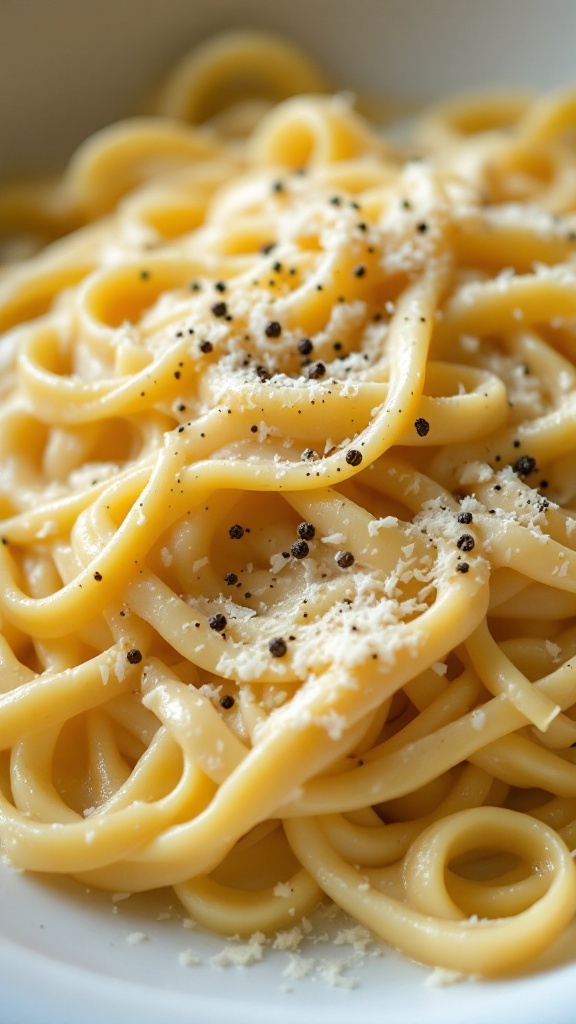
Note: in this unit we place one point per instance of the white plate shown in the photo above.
(69, 956)
(66, 68)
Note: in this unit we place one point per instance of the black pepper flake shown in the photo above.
(227, 701)
(220, 286)
(277, 267)
(263, 373)
(217, 622)
(344, 559)
(236, 531)
(306, 531)
(336, 201)
(144, 275)
(231, 579)
(316, 370)
(98, 576)
(300, 549)
(353, 457)
(254, 428)
(177, 374)
(277, 186)
(462, 567)
(465, 542)
(267, 248)
(277, 647)
(422, 227)
(422, 426)
(220, 309)
(206, 346)
(305, 346)
(359, 271)
(4, 540)
(465, 518)
(525, 465)
(273, 329)
(134, 656)
(308, 455)
(195, 286)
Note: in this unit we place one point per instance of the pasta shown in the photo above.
(288, 511)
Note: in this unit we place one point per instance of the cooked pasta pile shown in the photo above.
(288, 512)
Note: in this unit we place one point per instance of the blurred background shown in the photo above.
(68, 67)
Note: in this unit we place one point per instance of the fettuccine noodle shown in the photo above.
(288, 512)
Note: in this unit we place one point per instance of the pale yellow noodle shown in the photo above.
(287, 511)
